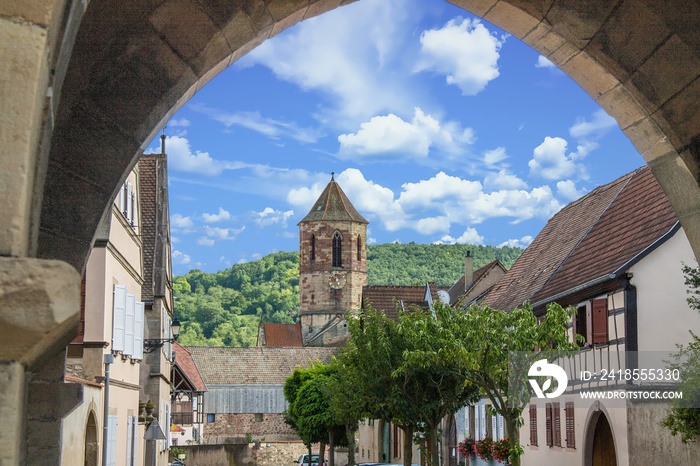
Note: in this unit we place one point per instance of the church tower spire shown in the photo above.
(332, 264)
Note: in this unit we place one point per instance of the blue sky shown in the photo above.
(440, 127)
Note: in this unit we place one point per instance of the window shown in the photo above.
(533, 425)
(548, 423)
(211, 417)
(570, 426)
(337, 249)
(556, 423)
(488, 422)
(313, 248)
(472, 422)
(591, 322)
(258, 417)
(359, 248)
(127, 323)
(397, 451)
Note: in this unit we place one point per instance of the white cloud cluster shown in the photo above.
(517, 243)
(213, 218)
(503, 179)
(567, 190)
(391, 135)
(180, 222)
(214, 234)
(181, 258)
(181, 158)
(465, 51)
(328, 54)
(433, 205)
(470, 236)
(270, 216)
(551, 161)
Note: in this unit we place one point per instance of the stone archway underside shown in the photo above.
(135, 63)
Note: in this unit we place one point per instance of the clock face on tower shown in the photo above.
(337, 280)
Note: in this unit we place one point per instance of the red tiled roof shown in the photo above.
(387, 297)
(639, 215)
(228, 365)
(184, 361)
(333, 205)
(552, 246)
(283, 335)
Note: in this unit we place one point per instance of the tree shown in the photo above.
(684, 417)
(309, 413)
(484, 338)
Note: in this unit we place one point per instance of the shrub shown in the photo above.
(483, 448)
(466, 447)
(501, 450)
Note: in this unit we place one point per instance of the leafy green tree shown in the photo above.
(484, 339)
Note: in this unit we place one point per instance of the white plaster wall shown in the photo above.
(73, 427)
(663, 315)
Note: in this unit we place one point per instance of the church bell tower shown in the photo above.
(332, 265)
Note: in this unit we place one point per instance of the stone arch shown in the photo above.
(92, 440)
(133, 64)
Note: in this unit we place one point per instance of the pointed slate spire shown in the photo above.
(333, 205)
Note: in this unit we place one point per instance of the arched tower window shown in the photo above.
(359, 248)
(337, 249)
(313, 248)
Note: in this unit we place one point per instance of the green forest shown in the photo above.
(224, 308)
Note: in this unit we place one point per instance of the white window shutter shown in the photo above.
(167, 425)
(133, 208)
(120, 199)
(501, 427)
(129, 324)
(494, 427)
(129, 440)
(138, 330)
(482, 409)
(134, 435)
(129, 213)
(118, 318)
(112, 440)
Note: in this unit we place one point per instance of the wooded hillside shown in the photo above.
(224, 308)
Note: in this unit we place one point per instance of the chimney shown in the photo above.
(468, 269)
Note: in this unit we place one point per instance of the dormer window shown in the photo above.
(337, 249)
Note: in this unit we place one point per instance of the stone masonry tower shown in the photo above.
(332, 265)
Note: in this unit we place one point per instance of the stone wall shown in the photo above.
(649, 443)
(234, 428)
(230, 454)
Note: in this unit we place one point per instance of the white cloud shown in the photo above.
(254, 121)
(430, 225)
(543, 62)
(329, 54)
(213, 218)
(517, 243)
(390, 134)
(567, 190)
(181, 158)
(466, 52)
(504, 180)
(599, 125)
(179, 222)
(204, 241)
(181, 258)
(270, 216)
(437, 190)
(222, 233)
(183, 122)
(550, 160)
(492, 157)
(470, 236)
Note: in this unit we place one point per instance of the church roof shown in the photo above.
(333, 205)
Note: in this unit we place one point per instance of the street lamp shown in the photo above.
(151, 345)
